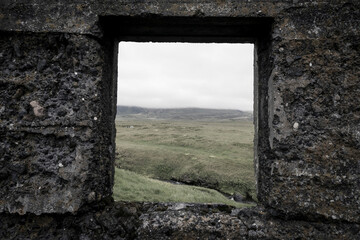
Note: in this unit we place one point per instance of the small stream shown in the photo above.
(228, 196)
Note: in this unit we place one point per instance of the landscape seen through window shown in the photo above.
(185, 123)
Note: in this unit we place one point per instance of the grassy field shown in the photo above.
(130, 186)
(212, 154)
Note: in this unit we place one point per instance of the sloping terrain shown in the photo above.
(212, 154)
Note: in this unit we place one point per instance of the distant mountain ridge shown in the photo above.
(181, 113)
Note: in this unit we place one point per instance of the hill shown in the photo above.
(182, 113)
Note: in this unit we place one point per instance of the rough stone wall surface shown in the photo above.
(55, 154)
(312, 165)
(56, 110)
(168, 221)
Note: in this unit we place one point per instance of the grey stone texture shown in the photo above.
(56, 135)
(190, 221)
(147, 221)
(312, 164)
(57, 105)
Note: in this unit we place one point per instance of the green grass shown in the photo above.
(213, 154)
(130, 186)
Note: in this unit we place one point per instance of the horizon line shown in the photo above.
(185, 108)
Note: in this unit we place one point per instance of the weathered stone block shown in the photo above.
(311, 168)
(55, 122)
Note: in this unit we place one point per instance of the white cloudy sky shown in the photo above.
(166, 75)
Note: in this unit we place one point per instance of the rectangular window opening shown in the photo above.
(184, 123)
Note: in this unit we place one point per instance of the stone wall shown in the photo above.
(312, 167)
(57, 105)
(56, 125)
(147, 221)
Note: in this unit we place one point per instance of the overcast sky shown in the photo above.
(167, 75)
